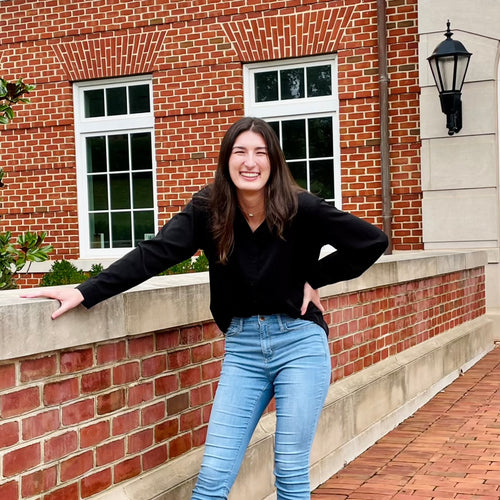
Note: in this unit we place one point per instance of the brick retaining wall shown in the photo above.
(78, 420)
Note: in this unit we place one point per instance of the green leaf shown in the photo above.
(5, 237)
(39, 254)
(20, 262)
(9, 113)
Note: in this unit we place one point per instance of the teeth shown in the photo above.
(249, 174)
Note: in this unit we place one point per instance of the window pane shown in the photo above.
(143, 225)
(118, 152)
(322, 178)
(142, 157)
(294, 139)
(99, 230)
(139, 98)
(143, 189)
(319, 81)
(116, 101)
(292, 83)
(266, 86)
(119, 186)
(96, 154)
(276, 127)
(98, 192)
(320, 137)
(299, 172)
(94, 103)
(121, 229)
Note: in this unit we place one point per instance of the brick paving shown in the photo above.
(449, 449)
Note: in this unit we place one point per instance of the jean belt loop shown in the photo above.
(281, 322)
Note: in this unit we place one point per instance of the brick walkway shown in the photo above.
(450, 448)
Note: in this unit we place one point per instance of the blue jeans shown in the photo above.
(267, 356)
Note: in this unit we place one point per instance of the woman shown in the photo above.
(262, 236)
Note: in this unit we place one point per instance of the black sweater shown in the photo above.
(265, 274)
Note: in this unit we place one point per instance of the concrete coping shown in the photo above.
(178, 300)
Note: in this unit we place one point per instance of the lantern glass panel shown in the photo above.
(446, 66)
(462, 65)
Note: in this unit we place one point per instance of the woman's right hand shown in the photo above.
(311, 295)
(67, 297)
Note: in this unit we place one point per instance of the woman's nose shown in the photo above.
(250, 160)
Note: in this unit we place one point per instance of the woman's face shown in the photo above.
(249, 166)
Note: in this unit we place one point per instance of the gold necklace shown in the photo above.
(252, 214)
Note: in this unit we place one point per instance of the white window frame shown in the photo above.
(307, 107)
(106, 125)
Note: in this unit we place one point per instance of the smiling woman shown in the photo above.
(275, 200)
(262, 235)
(249, 169)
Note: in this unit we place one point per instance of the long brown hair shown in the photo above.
(280, 194)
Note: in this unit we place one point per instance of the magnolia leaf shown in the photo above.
(20, 262)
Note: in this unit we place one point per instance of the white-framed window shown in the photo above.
(299, 98)
(114, 124)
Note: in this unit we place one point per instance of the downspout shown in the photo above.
(383, 82)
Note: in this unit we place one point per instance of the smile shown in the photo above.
(250, 175)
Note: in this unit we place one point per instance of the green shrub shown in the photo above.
(29, 249)
(200, 264)
(64, 272)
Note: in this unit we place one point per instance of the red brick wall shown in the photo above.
(360, 124)
(195, 53)
(76, 422)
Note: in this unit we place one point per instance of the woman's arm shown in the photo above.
(176, 241)
(358, 244)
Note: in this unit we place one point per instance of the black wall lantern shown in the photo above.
(449, 63)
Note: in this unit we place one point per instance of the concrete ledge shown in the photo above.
(358, 411)
(494, 317)
(159, 303)
(403, 267)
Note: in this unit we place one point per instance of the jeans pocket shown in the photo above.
(234, 328)
(293, 323)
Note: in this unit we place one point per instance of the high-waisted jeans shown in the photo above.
(266, 356)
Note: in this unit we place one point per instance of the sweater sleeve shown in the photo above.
(358, 244)
(175, 242)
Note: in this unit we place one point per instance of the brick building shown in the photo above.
(131, 102)
(132, 99)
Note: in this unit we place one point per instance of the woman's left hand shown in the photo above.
(311, 295)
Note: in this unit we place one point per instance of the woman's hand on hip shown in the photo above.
(311, 295)
(67, 297)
